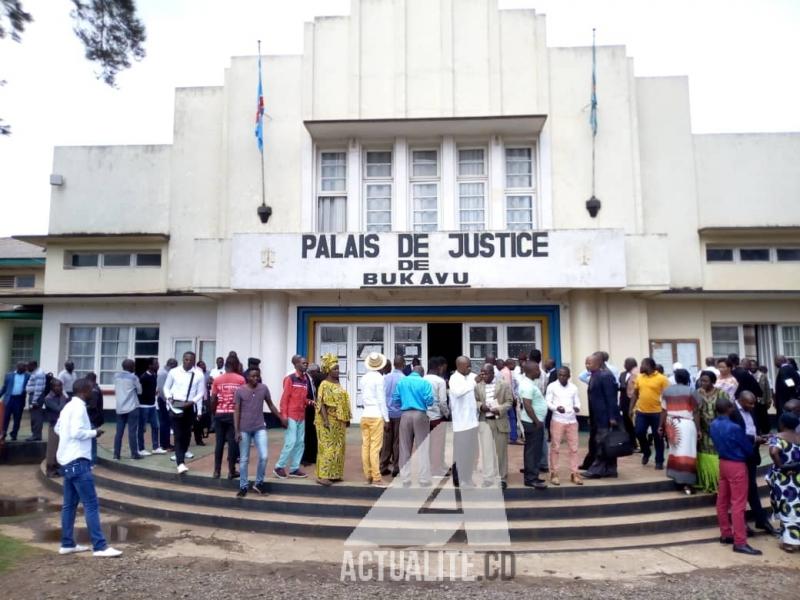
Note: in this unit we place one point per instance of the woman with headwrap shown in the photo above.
(706, 396)
(331, 421)
(784, 480)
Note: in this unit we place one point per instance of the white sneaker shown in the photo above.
(159, 451)
(108, 553)
(172, 458)
(145, 453)
(73, 550)
(182, 468)
(189, 454)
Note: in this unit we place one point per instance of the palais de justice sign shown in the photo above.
(496, 259)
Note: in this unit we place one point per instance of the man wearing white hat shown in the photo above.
(373, 418)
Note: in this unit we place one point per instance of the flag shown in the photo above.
(259, 131)
(593, 112)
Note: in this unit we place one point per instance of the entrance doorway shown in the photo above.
(445, 339)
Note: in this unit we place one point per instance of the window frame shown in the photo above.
(509, 192)
(414, 180)
(781, 340)
(133, 256)
(482, 179)
(367, 181)
(98, 345)
(319, 193)
(740, 341)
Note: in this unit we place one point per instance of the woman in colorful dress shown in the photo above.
(726, 381)
(331, 421)
(680, 422)
(784, 448)
(706, 396)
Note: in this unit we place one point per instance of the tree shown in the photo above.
(111, 32)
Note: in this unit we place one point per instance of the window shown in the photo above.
(719, 254)
(379, 207)
(725, 339)
(111, 259)
(668, 352)
(333, 171)
(151, 258)
(378, 194)
(332, 214)
(332, 196)
(790, 336)
(207, 350)
(17, 281)
(22, 348)
(84, 259)
(482, 342)
(787, 254)
(754, 254)
(103, 348)
(425, 190)
(519, 168)
(25, 281)
(424, 163)
(472, 189)
(520, 338)
(378, 164)
(181, 346)
(519, 213)
(520, 189)
(148, 259)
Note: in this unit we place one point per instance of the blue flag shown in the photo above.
(259, 131)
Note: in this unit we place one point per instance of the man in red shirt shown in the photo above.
(296, 396)
(222, 406)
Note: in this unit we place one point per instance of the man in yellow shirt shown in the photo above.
(647, 400)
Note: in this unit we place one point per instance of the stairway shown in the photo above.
(600, 514)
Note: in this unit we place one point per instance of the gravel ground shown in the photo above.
(133, 577)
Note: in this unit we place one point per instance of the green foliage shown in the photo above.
(11, 551)
(111, 32)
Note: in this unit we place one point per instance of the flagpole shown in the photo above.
(594, 103)
(263, 180)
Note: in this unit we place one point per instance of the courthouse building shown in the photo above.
(427, 164)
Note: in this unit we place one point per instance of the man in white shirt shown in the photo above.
(218, 370)
(68, 377)
(437, 412)
(184, 388)
(75, 436)
(465, 422)
(374, 418)
(564, 404)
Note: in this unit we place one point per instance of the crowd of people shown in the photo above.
(714, 426)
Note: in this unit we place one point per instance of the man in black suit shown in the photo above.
(743, 416)
(787, 383)
(605, 415)
(746, 381)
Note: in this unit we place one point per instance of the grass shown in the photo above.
(12, 551)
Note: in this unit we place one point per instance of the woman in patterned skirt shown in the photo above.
(680, 423)
(706, 396)
(331, 421)
(784, 448)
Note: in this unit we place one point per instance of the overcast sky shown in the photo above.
(740, 55)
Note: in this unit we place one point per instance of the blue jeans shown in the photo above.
(259, 438)
(512, 425)
(148, 415)
(645, 421)
(94, 451)
(294, 442)
(164, 424)
(130, 419)
(79, 487)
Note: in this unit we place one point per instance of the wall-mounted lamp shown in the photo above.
(56, 179)
(264, 213)
(593, 206)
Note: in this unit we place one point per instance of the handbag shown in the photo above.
(179, 404)
(617, 443)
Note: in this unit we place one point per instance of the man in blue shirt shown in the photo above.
(415, 396)
(390, 453)
(13, 391)
(733, 449)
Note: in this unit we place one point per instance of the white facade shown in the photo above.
(430, 118)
